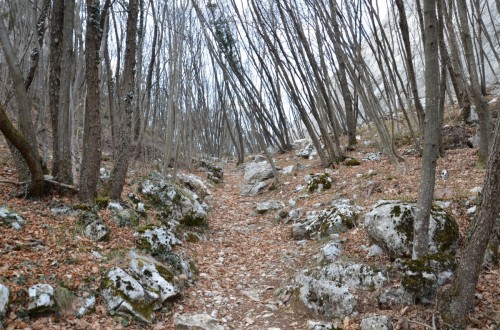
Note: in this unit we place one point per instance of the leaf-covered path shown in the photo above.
(245, 260)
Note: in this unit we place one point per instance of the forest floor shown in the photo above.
(245, 258)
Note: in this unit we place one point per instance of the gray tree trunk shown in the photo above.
(431, 130)
(127, 89)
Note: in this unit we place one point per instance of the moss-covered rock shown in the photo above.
(155, 240)
(337, 218)
(352, 162)
(126, 218)
(390, 225)
(423, 276)
(125, 295)
(318, 182)
(10, 218)
(175, 202)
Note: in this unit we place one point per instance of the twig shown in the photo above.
(15, 183)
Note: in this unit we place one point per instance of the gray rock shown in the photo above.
(318, 182)
(473, 141)
(339, 217)
(10, 218)
(330, 252)
(41, 299)
(353, 275)
(195, 184)
(259, 158)
(147, 271)
(390, 225)
(155, 240)
(254, 189)
(308, 152)
(4, 302)
(197, 322)
(376, 322)
(273, 150)
(300, 144)
(256, 172)
(97, 231)
(325, 298)
(319, 325)
(372, 157)
(374, 250)
(215, 172)
(422, 277)
(295, 214)
(396, 296)
(84, 305)
(126, 218)
(115, 206)
(176, 203)
(104, 174)
(124, 294)
(288, 170)
(263, 207)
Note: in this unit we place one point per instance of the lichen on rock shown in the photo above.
(390, 225)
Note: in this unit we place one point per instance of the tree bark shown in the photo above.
(119, 172)
(482, 107)
(457, 301)
(431, 130)
(91, 158)
(36, 186)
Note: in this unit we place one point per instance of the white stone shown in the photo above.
(41, 298)
(376, 322)
(4, 302)
(197, 322)
(256, 172)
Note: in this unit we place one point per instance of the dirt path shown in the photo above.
(245, 259)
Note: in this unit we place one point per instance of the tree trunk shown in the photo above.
(24, 114)
(91, 158)
(457, 301)
(431, 131)
(56, 42)
(403, 23)
(36, 186)
(119, 172)
(482, 107)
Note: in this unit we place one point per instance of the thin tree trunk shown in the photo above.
(119, 172)
(431, 131)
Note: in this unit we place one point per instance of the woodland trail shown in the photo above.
(246, 258)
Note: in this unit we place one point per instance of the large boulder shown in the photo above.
(253, 189)
(353, 275)
(155, 240)
(124, 294)
(256, 172)
(390, 225)
(196, 322)
(339, 217)
(422, 277)
(10, 218)
(195, 184)
(126, 218)
(263, 207)
(4, 302)
(325, 298)
(153, 275)
(41, 299)
(92, 225)
(215, 172)
(176, 203)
